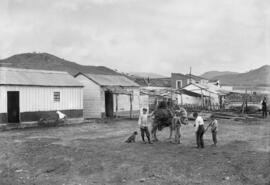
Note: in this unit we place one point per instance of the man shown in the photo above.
(264, 108)
(199, 130)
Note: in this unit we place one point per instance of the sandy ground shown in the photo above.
(97, 154)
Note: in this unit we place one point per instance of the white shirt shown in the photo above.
(198, 121)
(143, 120)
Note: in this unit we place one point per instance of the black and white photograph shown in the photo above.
(134, 92)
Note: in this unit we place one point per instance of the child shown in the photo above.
(176, 126)
(199, 130)
(214, 128)
(143, 123)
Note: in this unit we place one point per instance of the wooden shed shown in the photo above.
(28, 95)
(108, 95)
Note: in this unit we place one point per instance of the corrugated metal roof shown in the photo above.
(154, 82)
(27, 77)
(110, 80)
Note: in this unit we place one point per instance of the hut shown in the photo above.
(109, 96)
(28, 95)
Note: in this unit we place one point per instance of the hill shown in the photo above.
(256, 77)
(47, 61)
(146, 75)
(212, 74)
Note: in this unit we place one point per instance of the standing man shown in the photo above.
(199, 130)
(264, 108)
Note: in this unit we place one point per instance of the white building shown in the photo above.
(28, 95)
(211, 95)
(109, 95)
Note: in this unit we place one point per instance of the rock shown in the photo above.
(142, 180)
(124, 180)
(226, 178)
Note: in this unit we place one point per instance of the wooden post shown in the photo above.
(202, 98)
(130, 100)
(246, 101)
(116, 106)
(181, 100)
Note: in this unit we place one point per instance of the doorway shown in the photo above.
(13, 106)
(108, 104)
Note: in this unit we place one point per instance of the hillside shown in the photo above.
(146, 75)
(47, 61)
(256, 77)
(213, 74)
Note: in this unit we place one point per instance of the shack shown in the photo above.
(28, 95)
(109, 96)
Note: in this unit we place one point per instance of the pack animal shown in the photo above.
(163, 117)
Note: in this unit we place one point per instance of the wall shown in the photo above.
(186, 99)
(214, 96)
(175, 77)
(93, 100)
(40, 99)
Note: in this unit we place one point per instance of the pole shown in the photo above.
(190, 75)
(130, 100)
(116, 106)
(246, 101)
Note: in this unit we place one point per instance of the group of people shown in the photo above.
(176, 121)
(200, 130)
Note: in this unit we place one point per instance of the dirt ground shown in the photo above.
(96, 154)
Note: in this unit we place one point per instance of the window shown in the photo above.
(178, 84)
(56, 96)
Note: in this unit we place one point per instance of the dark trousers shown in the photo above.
(144, 130)
(214, 137)
(199, 136)
(264, 113)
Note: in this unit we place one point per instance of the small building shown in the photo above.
(109, 96)
(179, 80)
(28, 95)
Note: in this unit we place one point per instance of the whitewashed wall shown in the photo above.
(92, 99)
(41, 98)
(185, 99)
(214, 96)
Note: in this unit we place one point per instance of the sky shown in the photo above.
(160, 36)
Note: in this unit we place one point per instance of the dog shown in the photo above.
(132, 138)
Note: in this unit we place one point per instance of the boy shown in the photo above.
(214, 128)
(199, 130)
(143, 123)
(176, 126)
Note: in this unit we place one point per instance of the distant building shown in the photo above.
(108, 95)
(179, 80)
(153, 90)
(154, 83)
(212, 96)
(28, 95)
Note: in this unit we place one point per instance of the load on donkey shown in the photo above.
(163, 117)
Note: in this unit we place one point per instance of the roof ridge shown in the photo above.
(32, 70)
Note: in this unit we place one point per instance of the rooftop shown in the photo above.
(30, 77)
(110, 80)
